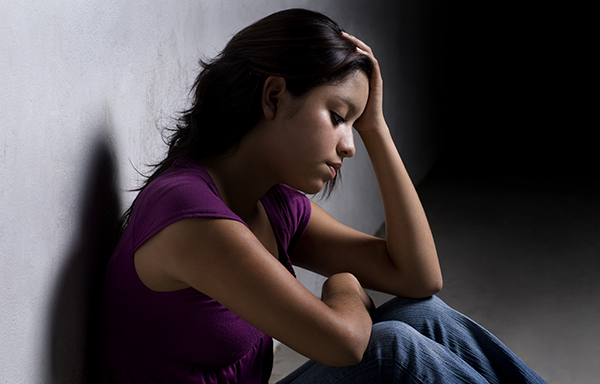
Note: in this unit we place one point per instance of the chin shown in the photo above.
(309, 188)
(314, 191)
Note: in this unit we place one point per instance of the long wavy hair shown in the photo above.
(304, 47)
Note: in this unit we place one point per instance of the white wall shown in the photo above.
(83, 86)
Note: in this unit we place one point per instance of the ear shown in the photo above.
(274, 91)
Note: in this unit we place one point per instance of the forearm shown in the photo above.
(409, 243)
(409, 240)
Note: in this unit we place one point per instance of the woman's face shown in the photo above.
(315, 135)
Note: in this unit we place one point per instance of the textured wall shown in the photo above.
(84, 86)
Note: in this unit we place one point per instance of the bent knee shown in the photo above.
(396, 341)
(411, 311)
(390, 334)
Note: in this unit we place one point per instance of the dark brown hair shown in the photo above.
(304, 47)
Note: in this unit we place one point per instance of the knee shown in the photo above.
(388, 337)
(412, 311)
(390, 330)
(395, 344)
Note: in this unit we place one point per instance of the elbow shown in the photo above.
(344, 360)
(351, 359)
(349, 346)
(425, 288)
(431, 287)
(350, 352)
(435, 285)
(431, 283)
(356, 347)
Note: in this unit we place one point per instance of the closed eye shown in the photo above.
(336, 119)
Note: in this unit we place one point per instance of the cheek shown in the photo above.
(311, 133)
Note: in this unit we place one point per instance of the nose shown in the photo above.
(346, 144)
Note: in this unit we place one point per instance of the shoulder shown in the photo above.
(184, 178)
(185, 190)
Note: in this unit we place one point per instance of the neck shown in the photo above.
(242, 180)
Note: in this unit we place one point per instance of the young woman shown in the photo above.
(202, 278)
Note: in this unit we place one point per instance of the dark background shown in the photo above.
(512, 88)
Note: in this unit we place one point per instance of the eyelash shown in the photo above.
(337, 119)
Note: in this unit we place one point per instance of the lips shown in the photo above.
(333, 169)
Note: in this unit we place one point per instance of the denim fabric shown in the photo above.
(424, 341)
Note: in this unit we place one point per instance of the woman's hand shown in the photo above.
(372, 118)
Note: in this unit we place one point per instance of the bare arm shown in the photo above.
(406, 264)
(224, 260)
(409, 240)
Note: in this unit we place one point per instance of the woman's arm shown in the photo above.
(409, 240)
(224, 260)
(406, 264)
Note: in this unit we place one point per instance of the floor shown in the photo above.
(522, 258)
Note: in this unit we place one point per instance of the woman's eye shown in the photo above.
(337, 119)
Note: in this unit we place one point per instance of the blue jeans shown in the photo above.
(424, 341)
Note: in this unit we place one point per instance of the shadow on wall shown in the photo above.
(76, 305)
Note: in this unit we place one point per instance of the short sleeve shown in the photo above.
(180, 194)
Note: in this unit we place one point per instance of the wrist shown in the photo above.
(377, 126)
(377, 137)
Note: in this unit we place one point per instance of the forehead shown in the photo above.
(352, 90)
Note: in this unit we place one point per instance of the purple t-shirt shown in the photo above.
(185, 336)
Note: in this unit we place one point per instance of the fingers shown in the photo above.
(360, 45)
(372, 116)
(363, 48)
